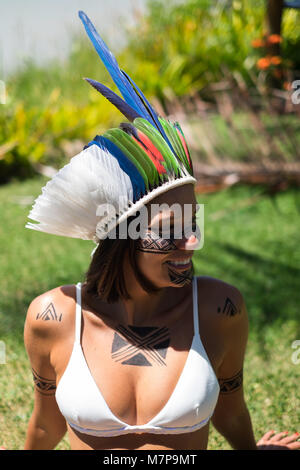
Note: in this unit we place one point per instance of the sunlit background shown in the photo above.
(42, 30)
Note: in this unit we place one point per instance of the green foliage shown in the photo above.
(193, 43)
(33, 133)
(291, 37)
(47, 107)
(177, 48)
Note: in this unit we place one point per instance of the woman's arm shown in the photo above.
(231, 417)
(46, 426)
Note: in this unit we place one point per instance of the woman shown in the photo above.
(143, 354)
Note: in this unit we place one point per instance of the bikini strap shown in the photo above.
(78, 313)
(195, 306)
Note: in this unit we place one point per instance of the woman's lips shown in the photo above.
(180, 266)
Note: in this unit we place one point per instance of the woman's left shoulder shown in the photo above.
(221, 299)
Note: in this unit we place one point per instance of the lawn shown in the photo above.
(252, 245)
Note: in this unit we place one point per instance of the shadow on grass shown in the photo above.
(270, 287)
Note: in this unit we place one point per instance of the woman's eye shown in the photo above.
(167, 234)
(191, 229)
(176, 232)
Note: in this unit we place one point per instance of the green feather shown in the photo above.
(135, 150)
(110, 134)
(177, 125)
(175, 141)
(159, 142)
(142, 157)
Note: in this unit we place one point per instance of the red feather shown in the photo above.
(152, 152)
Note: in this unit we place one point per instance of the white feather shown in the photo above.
(69, 201)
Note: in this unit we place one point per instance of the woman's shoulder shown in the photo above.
(223, 317)
(221, 299)
(218, 286)
(52, 311)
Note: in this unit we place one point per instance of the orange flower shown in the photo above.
(263, 63)
(275, 60)
(274, 39)
(190, 26)
(287, 86)
(258, 43)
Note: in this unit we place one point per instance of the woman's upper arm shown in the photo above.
(39, 338)
(235, 332)
(230, 372)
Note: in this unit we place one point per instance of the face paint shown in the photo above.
(180, 278)
(156, 245)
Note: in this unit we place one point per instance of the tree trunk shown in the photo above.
(273, 22)
(274, 9)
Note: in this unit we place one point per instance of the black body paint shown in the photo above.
(181, 277)
(49, 314)
(232, 384)
(229, 308)
(140, 346)
(157, 245)
(43, 385)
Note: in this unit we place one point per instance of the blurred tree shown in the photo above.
(273, 24)
(274, 9)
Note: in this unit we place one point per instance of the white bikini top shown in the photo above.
(188, 409)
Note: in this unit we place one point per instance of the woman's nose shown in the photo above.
(189, 242)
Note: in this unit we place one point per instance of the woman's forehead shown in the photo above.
(180, 195)
(177, 204)
(176, 212)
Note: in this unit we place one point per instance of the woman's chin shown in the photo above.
(179, 277)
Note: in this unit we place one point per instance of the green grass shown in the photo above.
(255, 248)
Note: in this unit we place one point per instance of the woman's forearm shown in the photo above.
(39, 438)
(238, 431)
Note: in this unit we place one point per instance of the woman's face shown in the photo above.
(165, 251)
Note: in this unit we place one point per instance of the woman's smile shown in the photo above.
(182, 264)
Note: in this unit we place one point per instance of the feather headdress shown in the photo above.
(123, 169)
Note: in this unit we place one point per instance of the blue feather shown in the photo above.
(151, 111)
(120, 104)
(112, 66)
(130, 91)
(126, 165)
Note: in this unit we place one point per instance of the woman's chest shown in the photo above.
(139, 370)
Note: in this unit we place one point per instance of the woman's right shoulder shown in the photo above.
(51, 313)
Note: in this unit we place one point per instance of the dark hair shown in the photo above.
(105, 277)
